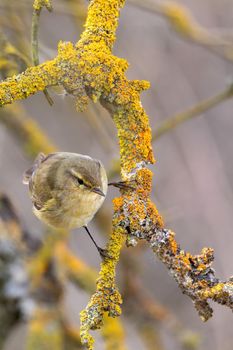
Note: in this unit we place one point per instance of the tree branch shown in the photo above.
(38, 4)
(183, 23)
(193, 273)
(195, 111)
(89, 69)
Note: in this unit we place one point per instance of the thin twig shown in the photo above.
(35, 46)
(192, 112)
(183, 23)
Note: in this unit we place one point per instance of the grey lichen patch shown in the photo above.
(193, 274)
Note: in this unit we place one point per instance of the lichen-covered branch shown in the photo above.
(174, 121)
(23, 85)
(89, 69)
(140, 306)
(193, 273)
(121, 98)
(107, 297)
(134, 213)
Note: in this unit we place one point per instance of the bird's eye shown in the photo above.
(80, 181)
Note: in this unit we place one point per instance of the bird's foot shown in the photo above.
(125, 185)
(104, 253)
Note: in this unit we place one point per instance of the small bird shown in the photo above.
(67, 189)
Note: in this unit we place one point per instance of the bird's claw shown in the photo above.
(104, 253)
(125, 185)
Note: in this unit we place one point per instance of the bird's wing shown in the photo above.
(49, 205)
(28, 173)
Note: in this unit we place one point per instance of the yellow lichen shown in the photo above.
(106, 297)
(38, 4)
(23, 85)
(211, 293)
(89, 69)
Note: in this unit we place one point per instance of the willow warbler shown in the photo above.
(66, 189)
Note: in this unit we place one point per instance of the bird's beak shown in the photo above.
(98, 191)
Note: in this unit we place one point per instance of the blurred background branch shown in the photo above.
(183, 23)
(195, 111)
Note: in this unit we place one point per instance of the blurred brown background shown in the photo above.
(193, 176)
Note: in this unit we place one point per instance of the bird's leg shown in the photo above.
(103, 252)
(125, 185)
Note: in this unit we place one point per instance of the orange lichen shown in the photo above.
(118, 203)
(153, 213)
(144, 180)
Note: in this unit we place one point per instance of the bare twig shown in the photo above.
(183, 23)
(34, 37)
(195, 111)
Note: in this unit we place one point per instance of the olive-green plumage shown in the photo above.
(66, 189)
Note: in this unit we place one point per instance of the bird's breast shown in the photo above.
(81, 209)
